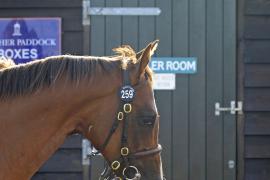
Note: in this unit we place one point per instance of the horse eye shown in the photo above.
(148, 121)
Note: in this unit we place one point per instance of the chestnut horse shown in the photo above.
(45, 101)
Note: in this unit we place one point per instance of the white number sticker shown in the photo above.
(127, 93)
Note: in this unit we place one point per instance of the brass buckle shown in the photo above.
(115, 165)
(127, 108)
(124, 151)
(120, 116)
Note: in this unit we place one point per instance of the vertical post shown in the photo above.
(86, 150)
(240, 88)
(86, 51)
(86, 27)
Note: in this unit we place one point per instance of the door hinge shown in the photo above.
(85, 15)
(232, 109)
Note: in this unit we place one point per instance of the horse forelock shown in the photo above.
(129, 56)
(18, 80)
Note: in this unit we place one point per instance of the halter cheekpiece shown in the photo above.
(127, 94)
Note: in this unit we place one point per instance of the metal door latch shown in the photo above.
(231, 164)
(233, 109)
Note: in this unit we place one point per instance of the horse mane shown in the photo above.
(22, 79)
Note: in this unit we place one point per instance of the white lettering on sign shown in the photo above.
(19, 53)
(36, 42)
(158, 65)
(164, 81)
(28, 42)
(7, 42)
(176, 65)
(180, 65)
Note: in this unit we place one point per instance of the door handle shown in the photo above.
(232, 109)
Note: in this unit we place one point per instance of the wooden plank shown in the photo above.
(257, 75)
(164, 98)
(257, 51)
(113, 28)
(69, 23)
(130, 30)
(64, 161)
(240, 87)
(257, 99)
(257, 123)
(57, 176)
(257, 169)
(257, 146)
(19, 4)
(40, 12)
(214, 125)
(72, 43)
(146, 27)
(72, 23)
(197, 85)
(229, 86)
(97, 36)
(97, 46)
(73, 142)
(257, 7)
(180, 123)
(257, 27)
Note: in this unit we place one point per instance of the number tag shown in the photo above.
(127, 93)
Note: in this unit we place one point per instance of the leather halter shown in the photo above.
(123, 162)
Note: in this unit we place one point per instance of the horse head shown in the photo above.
(129, 138)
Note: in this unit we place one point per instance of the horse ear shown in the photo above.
(145, 56)
(154, 44)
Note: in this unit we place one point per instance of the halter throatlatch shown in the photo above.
(129, 172)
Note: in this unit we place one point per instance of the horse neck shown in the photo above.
(33, 127)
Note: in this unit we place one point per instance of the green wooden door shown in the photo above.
(197, 144)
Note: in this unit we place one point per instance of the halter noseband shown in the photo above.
(127, 94)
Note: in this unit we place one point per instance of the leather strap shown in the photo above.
(144, 153)
(126, 80)
(112, 130)
(115, 124)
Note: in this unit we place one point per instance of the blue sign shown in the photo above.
(175, 65)
(27, 39)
